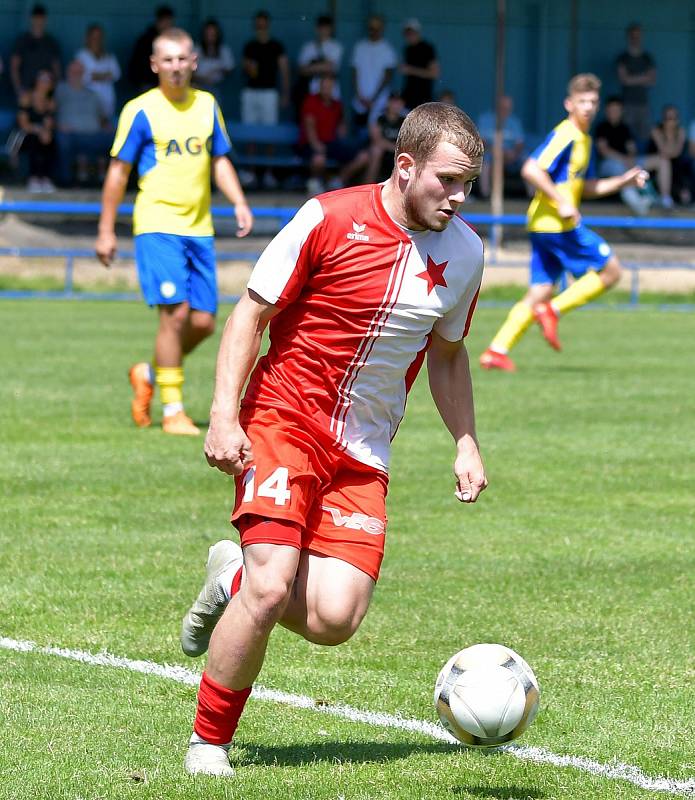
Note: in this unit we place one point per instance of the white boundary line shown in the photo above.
(538, 755)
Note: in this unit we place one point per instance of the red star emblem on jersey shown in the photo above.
(434, 274)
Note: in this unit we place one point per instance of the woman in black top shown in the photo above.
(36, 119)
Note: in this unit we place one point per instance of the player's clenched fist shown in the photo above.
(228, 448)
(470, 475)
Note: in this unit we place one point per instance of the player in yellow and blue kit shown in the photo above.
(176, 138)
(561, 171)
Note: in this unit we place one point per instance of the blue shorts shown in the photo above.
(576, 251)
(175, 269)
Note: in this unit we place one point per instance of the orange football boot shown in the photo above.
(180, 424)
(143, 391)
(546, 316)
(491, 359)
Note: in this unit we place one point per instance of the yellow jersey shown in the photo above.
(566, 155)
(171, 145)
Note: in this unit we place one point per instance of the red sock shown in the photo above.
(219, 709)
(236, 581)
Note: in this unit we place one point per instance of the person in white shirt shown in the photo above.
(373, 63)
(215, 59)
(101, 69)
(321, 57)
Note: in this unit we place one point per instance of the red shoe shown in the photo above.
(491, 359)
(546, 316)
(143, 390)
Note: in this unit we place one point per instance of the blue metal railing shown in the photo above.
(284, 214)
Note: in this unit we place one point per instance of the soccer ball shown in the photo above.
(486, 695)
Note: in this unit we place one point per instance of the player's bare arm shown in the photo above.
(227, 181)
(452, 390)
(226, 445)
(111, 197)
(635, 176)
(541, 180)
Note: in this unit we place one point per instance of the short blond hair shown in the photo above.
(172, 35)
(584, 82)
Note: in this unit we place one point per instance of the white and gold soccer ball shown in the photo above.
(486, 695)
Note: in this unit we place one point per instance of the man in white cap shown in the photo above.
(420, 67)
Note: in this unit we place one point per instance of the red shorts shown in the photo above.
(339, 503)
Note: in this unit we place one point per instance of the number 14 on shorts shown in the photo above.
(275, 486)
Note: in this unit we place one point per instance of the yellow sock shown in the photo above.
(513, 328)
(170, 383)
(579, 293)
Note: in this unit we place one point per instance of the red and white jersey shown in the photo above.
(359, 298)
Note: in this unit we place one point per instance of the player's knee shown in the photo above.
(611, 272)
(333, 626)
(266, 597)
(203, 325)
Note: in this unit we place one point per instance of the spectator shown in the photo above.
(383, 134)
(420, 67)
(33, 52)
(82, 130)
(36, 120)
(265, 60)
(668, 139)
(323, 138)
(636, 74)
(617, 150)
(319, 57)
(447, 96)
(373, 64)
(140, 74)
(512, 142)
(215, 59)
(101, 69)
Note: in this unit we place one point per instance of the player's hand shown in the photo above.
(568, 210)
(228, 448)
(244, 219)
(106, 248)
(469, 472)
(637, 176)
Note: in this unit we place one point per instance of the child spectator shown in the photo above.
(36, 120)
(323, 138)
(101, 69)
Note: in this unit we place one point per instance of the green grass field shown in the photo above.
(580, 555)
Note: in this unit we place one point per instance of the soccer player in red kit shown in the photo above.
(359, 288)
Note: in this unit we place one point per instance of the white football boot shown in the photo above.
(224, 560)
(203, 758)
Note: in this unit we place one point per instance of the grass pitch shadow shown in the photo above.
(336, 752)
(499, 792)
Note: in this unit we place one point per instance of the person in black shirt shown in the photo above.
(637, 74)
(383, 133)
(140, 74)
(617, 150)
(34, 51)
(420, 67)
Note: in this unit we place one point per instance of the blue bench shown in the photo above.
(282, 137)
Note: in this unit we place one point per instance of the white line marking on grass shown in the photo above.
(538, 755)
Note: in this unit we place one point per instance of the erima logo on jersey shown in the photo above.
(355, 521)
(357, 234)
